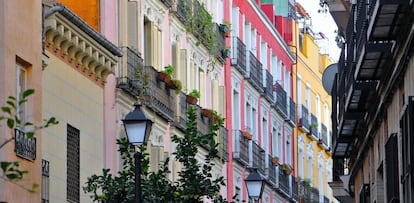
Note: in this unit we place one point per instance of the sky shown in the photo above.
(322, 22)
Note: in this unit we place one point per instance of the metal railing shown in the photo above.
(258, 158)
(238, 55)
(241, 148)
(255, 74)
(281, 99)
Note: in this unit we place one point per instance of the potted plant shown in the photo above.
(166, 74)
(225, 27)
(320, 141)
(287, 169)
(275, 160)
(193, 96)
(247, 135)
(226, 52)
(207, 113)
(306, 182)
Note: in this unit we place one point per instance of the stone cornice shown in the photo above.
(77, 47)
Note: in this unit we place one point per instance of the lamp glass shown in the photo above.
(136, 132)
(254, 188)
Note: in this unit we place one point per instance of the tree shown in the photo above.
(195, 179)
(10, 169)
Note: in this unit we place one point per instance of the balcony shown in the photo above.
(183, 10)
(325, 135)
(255, 72)
(131, 81)
(314, 195)
(182, 112)
(23, 146)
(281, 100)
(284, 184)
(271, 170)
(258, 158)
(291, 112)
(241, 148)
(220, 44)
(295, 190)
(223, 144)
(268, 88)
(238, 55)
(203, 123)
(314, 126)
(162, 99)
(167, 3)
(304, 119)
(386, 18)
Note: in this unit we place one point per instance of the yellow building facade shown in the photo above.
(313, 132)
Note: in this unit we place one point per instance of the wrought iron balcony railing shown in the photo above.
(292, 111)
(258, 158)
(223, 140)
(182, 112)
(284, 184)
(281, 100)
(23, 146)
(238, 55)
(241, 148)
(220, 44)
(255, 72)
(314, 126)
(314, 195)
(132, 81)
(203, 123)
(162, 100)
(268, 91)
(295, 189)
(304, 119)
(271, 171)
(167, 3)
(325, 135)
(183, 10)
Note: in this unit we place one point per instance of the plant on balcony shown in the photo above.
(207, 113)
(247, 135)
(226, 52)
(287, 169)
(306, 182)
(225, 27)
(193, 96)
(143, 79)
(166, 74)
(275, 160)
(320, 142)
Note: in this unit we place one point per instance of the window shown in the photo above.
(299, 90)
(236, 109)
(45, 181)
(21, 80)
(318, 113)
(308, 102)
(391, 153)
(301, 156)
(72, 164)
(265, 135)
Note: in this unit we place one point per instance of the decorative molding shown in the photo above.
(79, 49)
(154, 12)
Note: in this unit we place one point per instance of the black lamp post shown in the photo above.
(255, 185)
(138, 128)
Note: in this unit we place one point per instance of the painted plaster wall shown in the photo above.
(87, 10)
(76, 100)
(16, 18)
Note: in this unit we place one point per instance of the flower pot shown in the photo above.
(227, 34)
(225, 53)
(207, 113)
(275, 161)
(164, 77)
(170, 84)
(191, 100)
(247, 135)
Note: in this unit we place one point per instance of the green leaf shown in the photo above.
(4, 165)
(22, 101)
(12, 98)
(30, 135)
(6, 109)
(34, 188)
(27, 93)
(11, 104)
(10, 123)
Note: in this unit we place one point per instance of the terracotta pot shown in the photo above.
(207, 113)
(247, 135)
(171, 84)
(275, 161)
(164, 77)
(191, 100)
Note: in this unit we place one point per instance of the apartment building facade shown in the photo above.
(372, 102)
(21, 69)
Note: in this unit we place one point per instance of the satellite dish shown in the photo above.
(328, 77)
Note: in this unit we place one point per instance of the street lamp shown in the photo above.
(255, 185)
(137, 127)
